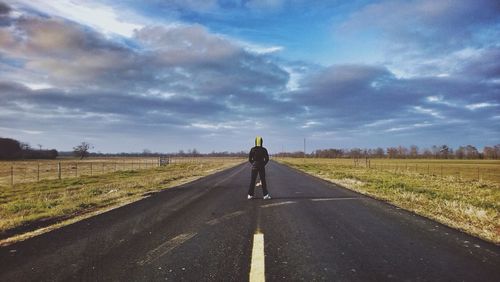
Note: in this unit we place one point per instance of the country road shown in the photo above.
(207, 230)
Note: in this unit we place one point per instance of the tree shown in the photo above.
(497, 151)
(82, 150)
(10, 149)
(460, 152)
(471, 152)
(427, 153)
(402, 152)
(355, 153)
(444, 151)
(491, 153)
(392, 152)
(379, 153)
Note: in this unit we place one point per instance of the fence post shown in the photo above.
(478, 174)
(11, 175)
(102, 170)
(38, 172)
(59, 170)
(90, 168)
(428, 169)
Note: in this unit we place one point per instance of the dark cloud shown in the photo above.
(4, 9)
(483, 65)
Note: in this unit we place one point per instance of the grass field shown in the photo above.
(30, 203)
(15, 172)
(465, 203)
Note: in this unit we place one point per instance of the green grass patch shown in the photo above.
(470, 205)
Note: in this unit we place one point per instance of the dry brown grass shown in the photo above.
(25, 171)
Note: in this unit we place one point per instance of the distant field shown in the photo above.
(466, 169)
(458, 200)
(24, 206)
(15, 172)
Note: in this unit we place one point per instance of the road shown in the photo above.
(206, 230)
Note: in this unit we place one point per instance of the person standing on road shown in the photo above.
(258, 157)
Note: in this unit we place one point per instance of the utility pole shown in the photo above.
(304, 147)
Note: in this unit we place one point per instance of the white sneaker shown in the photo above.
(250, 197)
(267, 197)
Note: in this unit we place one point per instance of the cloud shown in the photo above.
(473, 107)
(179, 77)
(419, 36)
(100, 17)
(190, 85)
(4, 9)
(452, 22)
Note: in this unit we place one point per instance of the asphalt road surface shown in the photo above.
(208, 230)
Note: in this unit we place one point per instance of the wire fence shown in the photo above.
(468, 171)
(33, 171)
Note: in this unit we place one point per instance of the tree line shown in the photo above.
(402, 152)
(11, 149)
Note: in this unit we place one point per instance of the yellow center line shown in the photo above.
(257, 267)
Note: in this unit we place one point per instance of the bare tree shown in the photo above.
(379, 153)
(460, 152)
(444, 151)
(402, 152)
(82, 150)
(392, 152)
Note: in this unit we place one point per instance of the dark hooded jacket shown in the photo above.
(258, 155)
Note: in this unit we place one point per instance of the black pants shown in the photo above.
(262, 174)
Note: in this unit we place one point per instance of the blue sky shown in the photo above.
(212, 74)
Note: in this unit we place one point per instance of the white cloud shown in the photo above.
(310, 124)
(212, 126)
(408, 127)
(380, 122)
(98, 16)
(439, 100)
(476, 106)
(431, 112)
(257, 49)
(26, 131)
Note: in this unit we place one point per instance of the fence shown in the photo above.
(33, 171)
(469, 171)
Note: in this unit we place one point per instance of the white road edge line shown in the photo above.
(166, 247)
(257, 266)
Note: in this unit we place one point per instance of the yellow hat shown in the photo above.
(258, 141)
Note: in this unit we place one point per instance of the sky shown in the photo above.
(175, 75)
